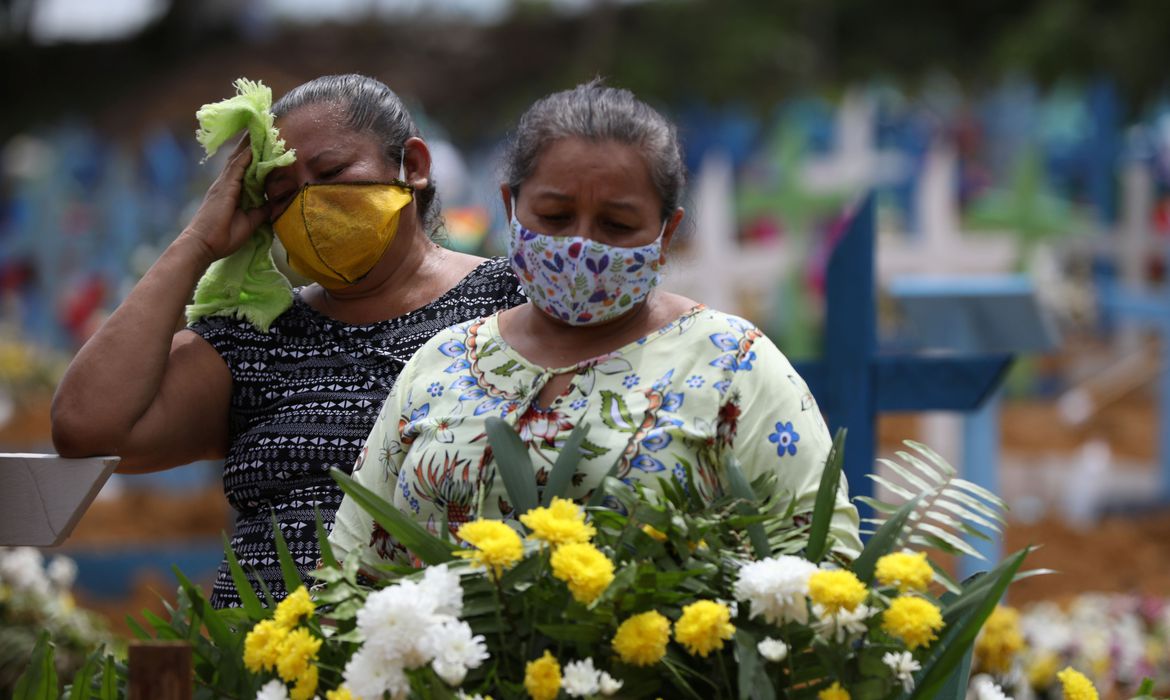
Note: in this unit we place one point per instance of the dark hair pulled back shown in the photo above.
(596, 112)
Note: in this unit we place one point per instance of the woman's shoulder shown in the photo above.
(490, 275)
(452, 345)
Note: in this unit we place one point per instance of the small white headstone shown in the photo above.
(43, 496)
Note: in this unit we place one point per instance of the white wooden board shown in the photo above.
(43, 496)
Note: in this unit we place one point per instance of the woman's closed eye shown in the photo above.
(280, 197)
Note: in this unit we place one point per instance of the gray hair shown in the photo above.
(370, 107)
(595, 112)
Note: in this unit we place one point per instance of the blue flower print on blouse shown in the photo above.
(694, 381)
(785, 439)
(435, 389)
(631, 381)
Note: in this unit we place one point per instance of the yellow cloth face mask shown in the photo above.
(335, 233)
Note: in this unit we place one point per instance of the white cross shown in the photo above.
(712, 267)
(942, 249)
(855, 164)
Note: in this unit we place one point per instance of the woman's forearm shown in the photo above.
(117, 374)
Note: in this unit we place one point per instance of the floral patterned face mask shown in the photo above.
(581, 281)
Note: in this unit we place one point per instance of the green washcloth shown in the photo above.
(246, 284)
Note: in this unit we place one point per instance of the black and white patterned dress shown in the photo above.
(304, 397)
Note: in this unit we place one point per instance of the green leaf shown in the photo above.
(288, 567)
(39, 680)
(136, 628)
(514, 465)
(327, 557)
(109, 689)
(430, 549)
(79, 687)
(754, 683)
(822, 517)
(958, 637)
(882, 542)
(607, 485)
(162, 628)
(566, 465)
(205, 614)
(968, 501)
(910, 476)
(741, 489)
(892, 487)
(572, 632)
(248, 598)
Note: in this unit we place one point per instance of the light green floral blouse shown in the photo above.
(687, 394)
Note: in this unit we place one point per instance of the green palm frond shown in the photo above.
(949, 511)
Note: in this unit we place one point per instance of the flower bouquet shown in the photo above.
(36, 602)
(1118, 639)
(636, 593)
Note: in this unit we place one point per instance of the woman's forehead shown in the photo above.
(571, 164)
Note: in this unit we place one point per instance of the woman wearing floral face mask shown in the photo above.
(594, 181)
(287, 405)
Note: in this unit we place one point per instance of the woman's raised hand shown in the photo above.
(220, 226)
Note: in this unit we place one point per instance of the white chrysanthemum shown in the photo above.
(443, 587)
(773, 649)
(986, 689)
(62, 572)
(904, 666)
(454, 649)
(273, 690)
(23, 569)
(776, 588)
(369, 675)
(394, 623)
(580, 679)
(842, 626)
(452, 674)
(608, 684)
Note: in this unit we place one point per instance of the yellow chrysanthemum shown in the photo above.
(836, 590)
(497, 546)
(1076, 685)
(913, 620)
(641, 640)
(654, 533)
(703, 627)
(262, 646)
(1042, 672)
(585, 568)
(999, 641)
(297, 606)
(833, 692)
(341, 693)
(306, 687)
(562, 522)
(909, 571)
(298, 648)
(542, 677)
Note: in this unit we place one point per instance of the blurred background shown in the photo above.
(1018, 153)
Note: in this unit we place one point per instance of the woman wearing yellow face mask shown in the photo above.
(284, 406)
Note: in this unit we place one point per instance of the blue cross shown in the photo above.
(853, 382)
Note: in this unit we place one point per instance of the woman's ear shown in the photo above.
(417, 163)
(506, 195)
(672, 226)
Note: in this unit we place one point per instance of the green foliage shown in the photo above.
(39, 682)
